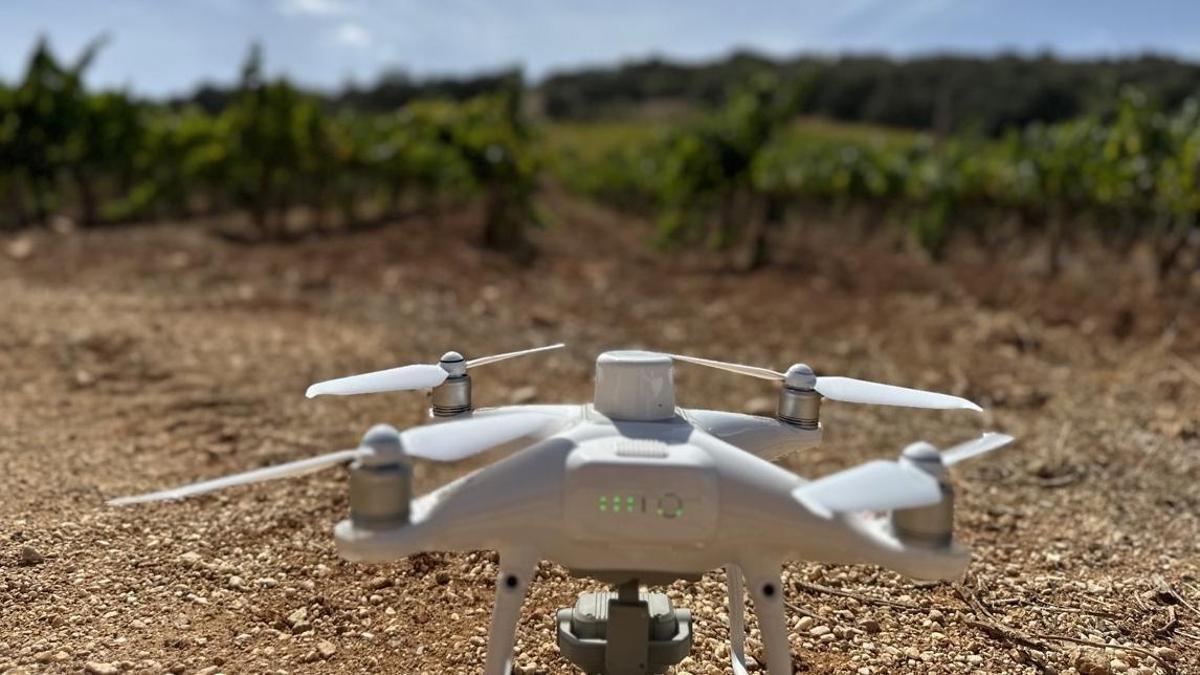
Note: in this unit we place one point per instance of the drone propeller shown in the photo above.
(419, 376)
(885, 486)
(445, 442)
(844, 389)
(984, 444)
(875, 486)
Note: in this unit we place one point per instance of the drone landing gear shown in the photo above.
(624, 633)
(767, 590)
(516, 571)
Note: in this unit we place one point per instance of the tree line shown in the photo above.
(941, 94)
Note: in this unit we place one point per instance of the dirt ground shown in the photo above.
(144, 358)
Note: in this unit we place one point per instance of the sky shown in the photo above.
(162, 47)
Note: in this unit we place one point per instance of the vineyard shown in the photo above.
(291, 164)
(175, 273)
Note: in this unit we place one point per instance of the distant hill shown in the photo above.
(940, 93)
(944, 93)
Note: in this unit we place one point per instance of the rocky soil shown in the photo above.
(142, 358)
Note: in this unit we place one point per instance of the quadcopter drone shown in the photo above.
(633, 490)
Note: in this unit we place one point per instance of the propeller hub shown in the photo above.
(800, 376)
(384, 442)
(453, 363)
(925, 457)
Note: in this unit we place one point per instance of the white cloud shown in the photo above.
(351, 34)
(313, 7)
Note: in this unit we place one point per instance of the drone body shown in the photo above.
(633, 489)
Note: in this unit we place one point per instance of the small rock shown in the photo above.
(805, 623)
(1166, 653)
(760, 405)
(442, 578)
(974, 659)
(326, 648)
(378, 583)
(1089, 663)
(30, 556)
(20, 249)
(1118, 666)
(298, 617)
(523, 395)
(869, 625)
(819, 631)
(100, 668)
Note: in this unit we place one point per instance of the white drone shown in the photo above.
(632, 489)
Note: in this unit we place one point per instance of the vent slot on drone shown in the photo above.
(642, 449)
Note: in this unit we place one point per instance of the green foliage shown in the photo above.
(710, 165)
(271, 150)
(1138, 172)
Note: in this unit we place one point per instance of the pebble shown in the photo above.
(30, 556)
(805, 623)
(326, 649)
(100, 668)
(298, 617)
(20, 249)
(1088, 663)
(378, 583)
(870, 625)
(523, 395)
(1166, 653)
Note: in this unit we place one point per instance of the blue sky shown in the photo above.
(167, 46)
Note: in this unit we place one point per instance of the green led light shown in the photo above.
(616, 504)
(629, 503)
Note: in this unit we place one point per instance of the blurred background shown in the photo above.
(208, 205)
(930, 122)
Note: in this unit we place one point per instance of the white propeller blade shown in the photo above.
(850, 390)
(287, 470)
(405, 378)
(446, 442)
(752, 371)
(454, 441)
(484, 360)
(984, 444)
(875, 486)
(393, 379)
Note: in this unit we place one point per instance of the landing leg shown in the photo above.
(767, 590)
(516, 571)
(737, 619)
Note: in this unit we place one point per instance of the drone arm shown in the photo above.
(516, 571)
(764, 437)
(766, 587)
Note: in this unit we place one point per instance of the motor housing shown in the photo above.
(930, 526)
